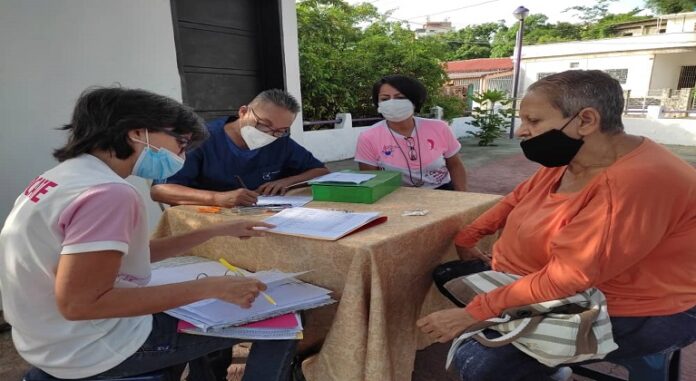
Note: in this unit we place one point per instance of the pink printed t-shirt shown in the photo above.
(433, 142)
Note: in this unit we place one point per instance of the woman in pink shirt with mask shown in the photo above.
(423, 150)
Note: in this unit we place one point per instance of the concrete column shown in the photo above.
(346, 121)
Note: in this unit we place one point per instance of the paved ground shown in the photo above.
(490, 170)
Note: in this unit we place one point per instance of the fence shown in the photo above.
(672, 103)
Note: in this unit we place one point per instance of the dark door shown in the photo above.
(227, 52)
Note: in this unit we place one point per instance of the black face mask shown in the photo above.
(553, 148)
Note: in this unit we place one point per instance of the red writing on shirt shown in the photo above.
(37, 187)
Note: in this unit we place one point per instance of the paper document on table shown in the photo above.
(343, 177)
(289, 293)
(293, 201)
(320, 224)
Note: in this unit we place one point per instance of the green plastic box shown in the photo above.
(366, 193)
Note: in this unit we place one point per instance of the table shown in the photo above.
(381, 276)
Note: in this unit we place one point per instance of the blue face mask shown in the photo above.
(156, 163)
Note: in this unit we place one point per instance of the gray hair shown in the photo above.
(571, 91)
(278, 97)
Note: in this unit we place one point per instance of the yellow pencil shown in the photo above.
(233, 268)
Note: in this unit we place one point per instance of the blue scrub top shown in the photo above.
(216, 164)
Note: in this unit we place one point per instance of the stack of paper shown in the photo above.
(289, 293)
(283, 327)
(343, 177)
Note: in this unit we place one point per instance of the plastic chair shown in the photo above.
(35, 374)
(655, 367)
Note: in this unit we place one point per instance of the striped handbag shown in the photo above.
(568, 330)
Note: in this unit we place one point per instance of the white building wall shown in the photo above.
(685, 22)
(51, 52)
(667, 68)
(639, 68)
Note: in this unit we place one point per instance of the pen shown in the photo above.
(241, 182)
(233, 268)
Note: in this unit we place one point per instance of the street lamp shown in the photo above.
(520, 14)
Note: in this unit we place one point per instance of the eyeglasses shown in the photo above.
(181, 140)
(411, 148)
(275, 132)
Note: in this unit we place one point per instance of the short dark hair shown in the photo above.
(411, 88)
(103, 117)
(572, 90)
(278, 97)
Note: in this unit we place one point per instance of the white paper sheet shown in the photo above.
(318, 223)
(293, 201)
(343, 177)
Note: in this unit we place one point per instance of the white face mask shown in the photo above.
(396, 110)
(254, 138)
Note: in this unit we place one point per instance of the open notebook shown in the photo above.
(289, 293)
(321, 224)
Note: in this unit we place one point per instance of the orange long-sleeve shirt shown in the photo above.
(631, 232)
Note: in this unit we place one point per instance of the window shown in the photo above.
(574, 65)
(663, 30)
(687, 77)
(618, 74)
(545, 74)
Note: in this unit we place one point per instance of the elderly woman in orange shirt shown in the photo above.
(607, 210)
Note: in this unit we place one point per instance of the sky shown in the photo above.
(468, 12)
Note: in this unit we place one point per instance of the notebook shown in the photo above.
(289, 293)
(321, 224)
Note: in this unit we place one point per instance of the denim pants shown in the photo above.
(635, 336)
(208, 357)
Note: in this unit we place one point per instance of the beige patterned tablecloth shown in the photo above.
(380, 275)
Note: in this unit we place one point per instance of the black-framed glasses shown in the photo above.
(275, 132)
(411, 143)
(181, 140)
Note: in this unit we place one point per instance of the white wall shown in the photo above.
(291, 55)
(333, 145)
(667, 67)
(666, 131)
(681, 22)
(51, 52)
(640, 67)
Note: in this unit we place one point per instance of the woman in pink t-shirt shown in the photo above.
(423, 150)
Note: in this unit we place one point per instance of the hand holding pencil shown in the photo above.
(239, 272)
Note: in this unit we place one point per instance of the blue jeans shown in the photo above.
(208, 357)
(635, 336)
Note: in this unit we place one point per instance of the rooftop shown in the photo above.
(479, 64)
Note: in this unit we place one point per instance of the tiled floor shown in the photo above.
(490, 170)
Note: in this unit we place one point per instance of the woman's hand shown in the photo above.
(241, 229)
(445, 325)
(472, 253)
(238, 290)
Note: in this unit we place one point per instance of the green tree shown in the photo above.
(591, 14)
(344, 49)
(664, 7)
